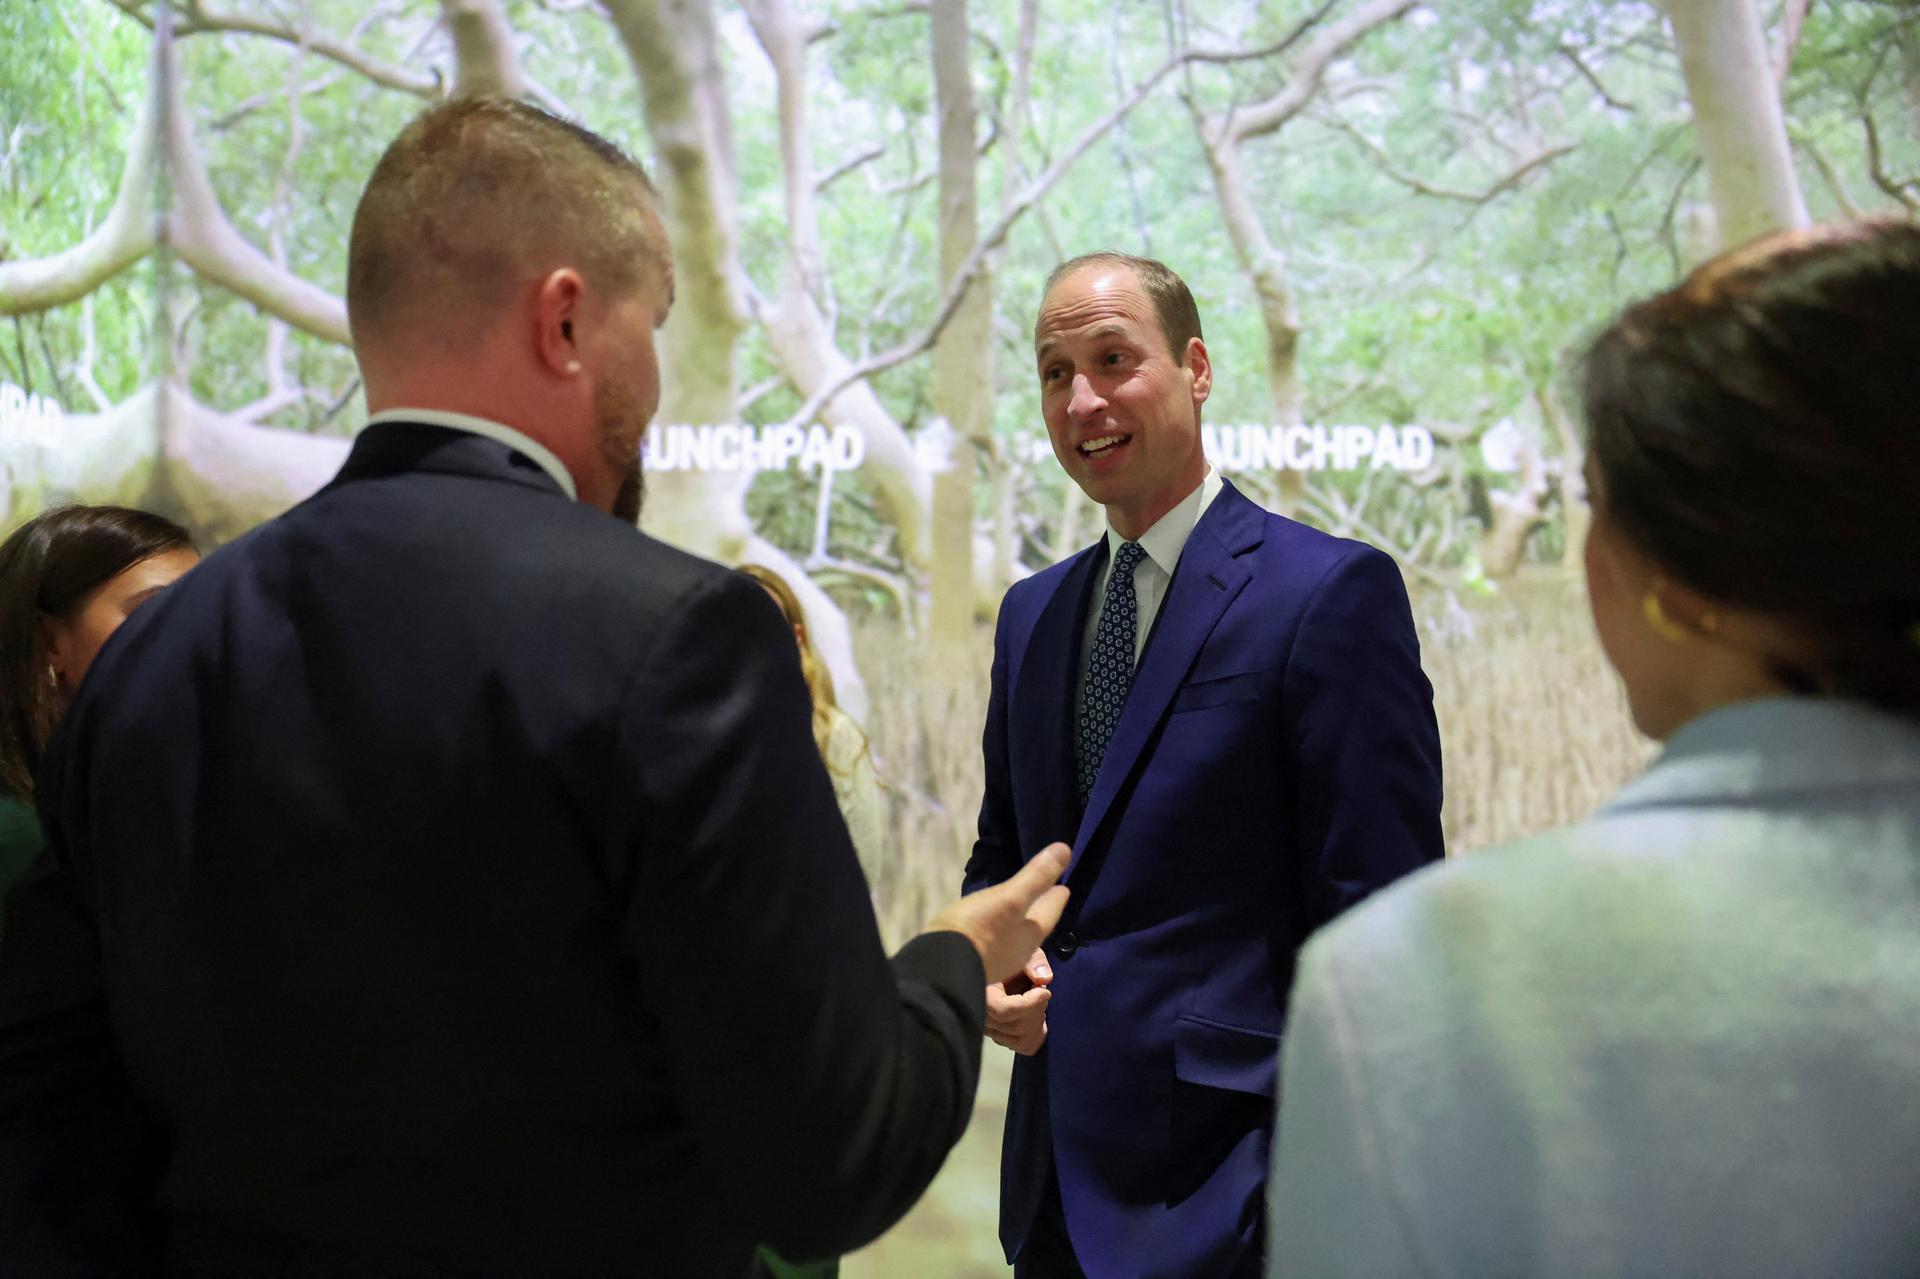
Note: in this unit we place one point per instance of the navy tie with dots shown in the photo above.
(1110, 669)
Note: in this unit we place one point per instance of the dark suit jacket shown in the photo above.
(443, 877)
(1277, 759)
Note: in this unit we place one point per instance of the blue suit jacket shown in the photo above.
(1277, 760)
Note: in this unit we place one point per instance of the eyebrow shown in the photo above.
(1110, 329)
(142, 596)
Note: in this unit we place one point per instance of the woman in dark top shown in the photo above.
(68, 577)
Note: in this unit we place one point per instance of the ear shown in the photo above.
(1677, 612)
(1201, 367)
(58, 638)
(557, 306)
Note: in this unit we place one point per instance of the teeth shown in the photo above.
(1104, 443)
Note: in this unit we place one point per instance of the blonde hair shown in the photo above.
(819, 679)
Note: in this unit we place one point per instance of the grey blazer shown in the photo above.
(1682, 1038)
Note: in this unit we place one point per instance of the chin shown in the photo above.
(1656, 722)
(1104, 489)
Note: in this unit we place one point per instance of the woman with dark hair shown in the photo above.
(68, 577)
(1682, 1038)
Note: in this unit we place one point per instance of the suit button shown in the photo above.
(1066, 944)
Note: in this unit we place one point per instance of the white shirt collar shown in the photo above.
(506, 435)
(1168, 536)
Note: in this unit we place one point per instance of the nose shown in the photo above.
(1086, 401)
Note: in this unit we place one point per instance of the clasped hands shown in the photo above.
(1017, 1007)
(1007, 921)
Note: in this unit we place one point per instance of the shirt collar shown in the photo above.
(1168, 536)
(1791, 745)
(533, 449)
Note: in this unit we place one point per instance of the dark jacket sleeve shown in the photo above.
(996, 852)
(78, 1161)
(822, 1087)
(1364, 736)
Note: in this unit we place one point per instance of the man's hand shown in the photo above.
(1017, 1007)
(1007, 922)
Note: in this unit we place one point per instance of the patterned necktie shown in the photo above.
(1110, 669)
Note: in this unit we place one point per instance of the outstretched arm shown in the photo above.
(822, 1087)
(1016, 1007)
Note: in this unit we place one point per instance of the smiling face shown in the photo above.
(1123, 414)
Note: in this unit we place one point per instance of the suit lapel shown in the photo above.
(1207, 579)
(1043, 701)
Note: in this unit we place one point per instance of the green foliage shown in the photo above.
(70, 83)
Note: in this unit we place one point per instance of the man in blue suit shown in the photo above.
(1223, 711)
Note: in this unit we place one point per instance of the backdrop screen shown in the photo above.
(1400, 221)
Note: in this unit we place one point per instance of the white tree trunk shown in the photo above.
(160, 447)
(673, 46)
(1260, 258)
(797, 329)
(808, 356)
(225, 475)
(486, 62)
(97, 457)
(1737, 117)
(196, 228)
(1576, 513)
(963, 364)
(200, 232)
(1266, 269)
(1515, 515)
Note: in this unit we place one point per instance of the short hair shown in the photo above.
(48, 567)
(479, 194)
(1753, 432)
(1172, 300)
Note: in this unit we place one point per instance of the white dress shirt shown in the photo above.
(1162, 544)
(533, 449)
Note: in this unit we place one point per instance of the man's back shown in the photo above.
(450, 845)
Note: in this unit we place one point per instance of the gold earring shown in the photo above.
(53, 676)
(1663, 626)
(1673, 632)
